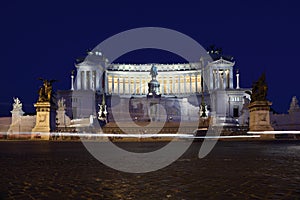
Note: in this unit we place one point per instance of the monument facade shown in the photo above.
(183, 83)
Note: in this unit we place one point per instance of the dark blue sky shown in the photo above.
(43, 38)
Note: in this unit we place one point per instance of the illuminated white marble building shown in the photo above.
(215, 80)
(175, 79)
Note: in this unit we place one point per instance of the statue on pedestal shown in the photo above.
(45, 112)
(17, 111)
(45, 91)
(203, 111)
(61, 104)
(153, 72)
(17, 105)
(260, 108)
(294, 106)
(102, 114)
(153, 85)
(259, 89)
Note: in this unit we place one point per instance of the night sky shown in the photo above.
(43, 39)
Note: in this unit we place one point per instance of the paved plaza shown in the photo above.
(233, 170)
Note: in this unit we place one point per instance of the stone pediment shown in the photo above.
(221, 62)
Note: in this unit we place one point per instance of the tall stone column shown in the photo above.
(78, 80)
(123, 84)
(167, 85)
(224, 79)
(196, 82)
(211, 79)
(230, 79)
(118, 85)
(218, 79)
(72, 81)
(106, 82)
(134, 83)
(112, 84)
(141, 85)
(84, 80)
(191, 83)
(129, 85)
(92, 86)
(184, 82)
(214, 79)
(237, 79)
(163, 85)
(173, 84)
(179, 89)
(101, 82)
(97, 81)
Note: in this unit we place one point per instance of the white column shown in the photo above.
(72, 82)
(224, 79)
(129, 85)
(214, 76)
(134, 82)
(78, 78)
(91, 80)
(97, 81)
(221, 80)
(106, 82)
(141, 85)
(191, 83)
(123, 84)
(173, 84)
(230, 78)
(112, 84)
(101, 81)
(84, 80)
(118, 85)
(212, 79)
(145, 86)
(237, 80)
(168, 87)
(162, 85)
(179, 84)
(184, 80)
(196, 82)
(218, 79)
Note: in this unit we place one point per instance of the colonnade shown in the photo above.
(169, 84)
(88, 80)
(222, 79)
(137, 83)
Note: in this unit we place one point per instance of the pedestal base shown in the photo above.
(153, 88)
(260, 117)
(40, 134)
(45, 120)
(153, 95)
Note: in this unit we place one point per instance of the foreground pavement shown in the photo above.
(233, 170)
